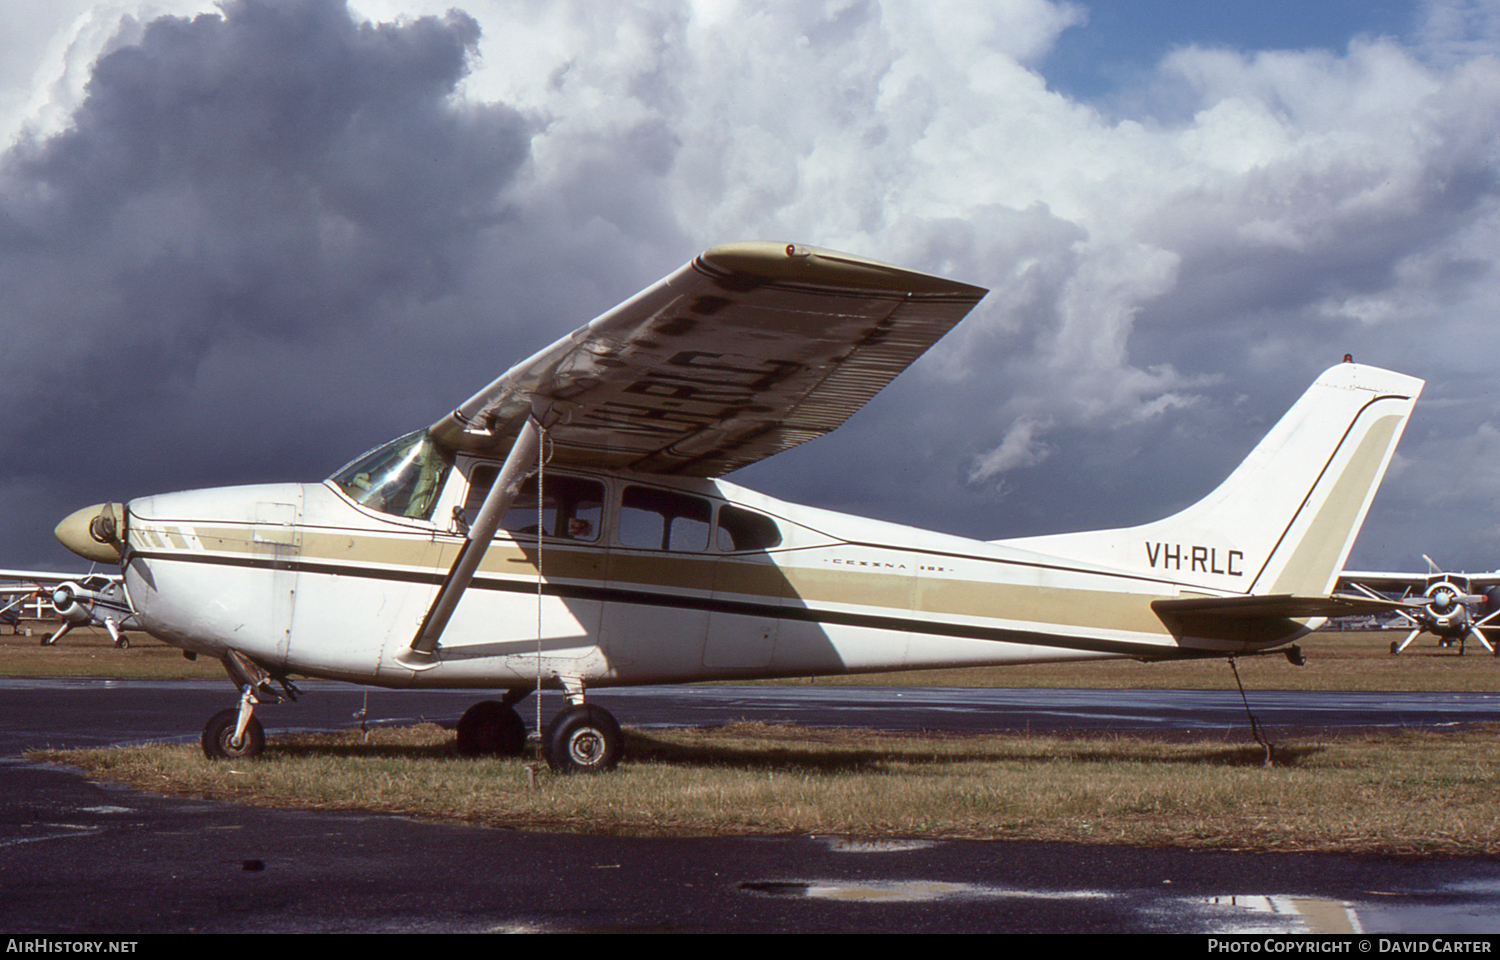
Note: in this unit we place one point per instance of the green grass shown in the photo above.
(90, 652)
(1411, 792)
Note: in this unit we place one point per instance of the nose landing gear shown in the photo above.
(224, 740)
(235, 734)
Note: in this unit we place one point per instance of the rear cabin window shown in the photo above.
(572, 507)
(664, 520)
(741, 529)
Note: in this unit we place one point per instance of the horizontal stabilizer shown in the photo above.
(1281, 605)
(1260, 619)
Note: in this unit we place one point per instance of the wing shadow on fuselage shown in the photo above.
(651, 615)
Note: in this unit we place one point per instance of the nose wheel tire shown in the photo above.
(491, 729)
(218, 737)
(584, 739)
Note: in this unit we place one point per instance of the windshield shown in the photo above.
(403, 477)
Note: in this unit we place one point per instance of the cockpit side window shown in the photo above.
(571, 506)
(402, 478)
(741, 529)
(664, 520)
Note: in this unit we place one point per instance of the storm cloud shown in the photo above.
(278, 171)
(246, 242)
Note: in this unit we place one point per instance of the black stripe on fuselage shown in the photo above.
(671, 601)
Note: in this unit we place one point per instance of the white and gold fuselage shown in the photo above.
(306, 581)
(640, 578)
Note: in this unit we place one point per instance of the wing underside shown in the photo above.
(747, 351)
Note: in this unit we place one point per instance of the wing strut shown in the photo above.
(518, 466)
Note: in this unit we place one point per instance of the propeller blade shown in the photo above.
(1477, 634)
(1409, 638)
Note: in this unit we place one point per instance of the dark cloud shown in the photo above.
(276, 174)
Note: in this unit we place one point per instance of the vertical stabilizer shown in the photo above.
(1285, 520)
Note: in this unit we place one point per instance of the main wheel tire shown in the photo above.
(491, 729)
(218, 737)
(584, 739)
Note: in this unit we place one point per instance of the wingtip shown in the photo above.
(783, 261)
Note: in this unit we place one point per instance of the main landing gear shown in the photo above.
(582, 738)
(492, 728)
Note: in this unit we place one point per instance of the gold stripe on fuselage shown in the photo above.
(895, 588)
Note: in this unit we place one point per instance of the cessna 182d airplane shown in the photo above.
(566, 526)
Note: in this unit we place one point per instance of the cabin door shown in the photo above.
(276, 542)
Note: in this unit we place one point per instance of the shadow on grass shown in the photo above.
(351, 745)
(820, 756)
(790, 749)
(362, 751)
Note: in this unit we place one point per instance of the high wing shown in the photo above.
(18, 586)
(748, 350)
(1411, 582)
(38, 576)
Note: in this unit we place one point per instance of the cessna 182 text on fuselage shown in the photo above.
(461, 555)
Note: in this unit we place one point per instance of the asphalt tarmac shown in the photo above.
(79, 857)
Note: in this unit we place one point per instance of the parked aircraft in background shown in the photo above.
(93, 598)
(15, 592)
(566, 527)
(1455, 605)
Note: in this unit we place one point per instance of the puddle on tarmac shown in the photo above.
(898, 891)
